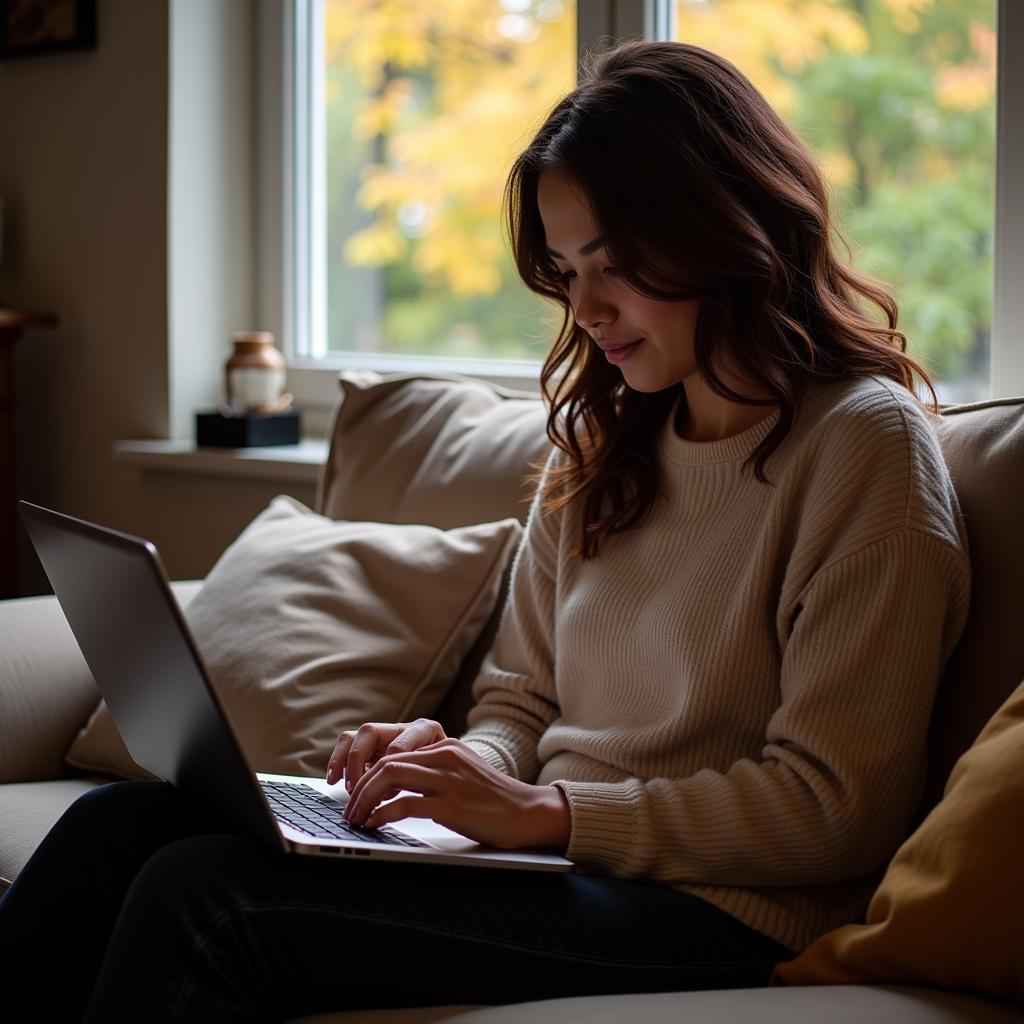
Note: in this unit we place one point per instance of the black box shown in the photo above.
(250, 430)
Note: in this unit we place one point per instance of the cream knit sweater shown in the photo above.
(735, 696)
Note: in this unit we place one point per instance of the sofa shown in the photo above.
(449, 452)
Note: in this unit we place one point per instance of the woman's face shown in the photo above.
(651, 341)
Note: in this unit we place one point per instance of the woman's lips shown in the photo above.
(622, 352)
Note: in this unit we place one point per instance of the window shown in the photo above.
(897, 99)
(408, 257)
(399, 257)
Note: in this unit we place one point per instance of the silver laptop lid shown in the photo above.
(116, 597)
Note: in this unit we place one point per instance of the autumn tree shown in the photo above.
(428, 103)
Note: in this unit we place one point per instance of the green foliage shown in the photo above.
(932, 242)
(915, 118)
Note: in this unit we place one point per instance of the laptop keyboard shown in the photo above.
(309, 811)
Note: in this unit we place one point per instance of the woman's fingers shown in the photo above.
(451, 784)
(387, 781)
(368, 746)
(421, 733)
(442, 755)
(359, 748)
(339, 756)
(403, 807)
(355, 747)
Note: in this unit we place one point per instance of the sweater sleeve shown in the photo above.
(514, 694)
(830, 797)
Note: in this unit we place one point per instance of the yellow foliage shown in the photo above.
(455, 88)
(469, 262)
(934, 164)
(451, 152)
(970, 86)
(379, 115)
(837, 168)
(375, 245)
(906, 14)
(753, 34)
(964, 88)
(373, 35)
(493, 78)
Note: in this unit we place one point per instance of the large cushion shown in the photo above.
(948, 912)
(445, 450)
(983, 445)
(46, 688)
(28, 811)
(448, 451)
(310, 626)
(846, 1004)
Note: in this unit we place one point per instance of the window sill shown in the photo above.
(300, 462)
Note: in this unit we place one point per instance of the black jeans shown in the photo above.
(137, 907)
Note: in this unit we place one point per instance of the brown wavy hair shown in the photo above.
(684, 163)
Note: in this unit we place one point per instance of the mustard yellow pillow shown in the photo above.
(949, 912)
(309, 626)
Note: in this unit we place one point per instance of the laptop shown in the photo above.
(117, 599)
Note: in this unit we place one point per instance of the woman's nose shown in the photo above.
(593, 309)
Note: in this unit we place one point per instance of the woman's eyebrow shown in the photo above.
(592, 246)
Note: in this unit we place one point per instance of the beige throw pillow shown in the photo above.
(448, 451)
(310, 626)
(983, 445)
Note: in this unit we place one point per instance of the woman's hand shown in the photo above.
(452, 785)
(359, 749)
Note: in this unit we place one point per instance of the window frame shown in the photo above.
(292, 279)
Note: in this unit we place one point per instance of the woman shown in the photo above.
(742, 575)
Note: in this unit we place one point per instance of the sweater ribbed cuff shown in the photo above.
(510, 740)
(493, 754)
(605, 822)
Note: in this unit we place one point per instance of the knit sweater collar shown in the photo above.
(706, 453)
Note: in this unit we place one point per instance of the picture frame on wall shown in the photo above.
(31, 28)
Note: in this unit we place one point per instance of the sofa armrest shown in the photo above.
(46, 689)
